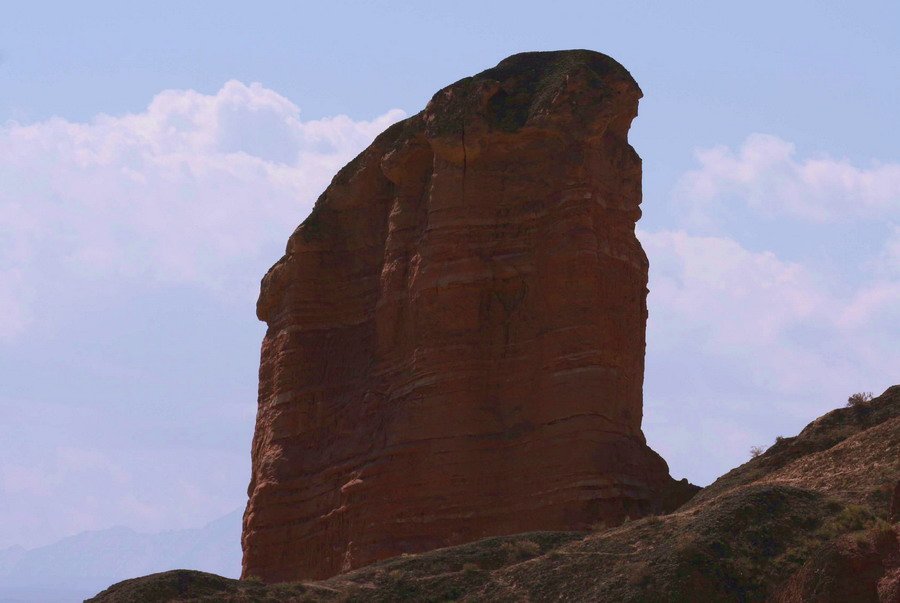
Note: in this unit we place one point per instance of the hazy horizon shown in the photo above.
(155, 158)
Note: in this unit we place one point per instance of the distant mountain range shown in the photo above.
(80, 566)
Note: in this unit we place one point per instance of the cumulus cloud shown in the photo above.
(203, 190)
(197, 192)
(750, 346)
(197, 189)
(791, 306)
(696, 278)
(774, 321)
(833, 318)
(713, 299)
(875, 303)
(766, 175)
(887, 263)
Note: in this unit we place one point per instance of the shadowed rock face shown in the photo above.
(863, 567)
(455, 344)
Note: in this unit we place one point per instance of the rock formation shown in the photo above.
(857, 567)
(804, 521)
(455, 344)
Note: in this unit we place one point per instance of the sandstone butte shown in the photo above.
(456, 334)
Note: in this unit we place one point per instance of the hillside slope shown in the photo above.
(806, 520)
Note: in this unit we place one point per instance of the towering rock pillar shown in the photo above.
(455, 343)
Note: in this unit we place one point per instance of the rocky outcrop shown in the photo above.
(455, 344)
(781, 537)
(861, 567)
(825, 456)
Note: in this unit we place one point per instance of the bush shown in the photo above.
(755, 451)
(883, 530)
(397, 575)
(521, 549)
(851, 518)
(859, 399)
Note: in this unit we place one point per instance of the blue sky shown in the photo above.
(154, 158)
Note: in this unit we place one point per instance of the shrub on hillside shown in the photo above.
(859, 399)
(521, 549)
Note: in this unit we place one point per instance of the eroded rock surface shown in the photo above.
(777, 538)
(859, 567)
(455, 344)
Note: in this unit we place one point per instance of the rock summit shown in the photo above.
(456, 334)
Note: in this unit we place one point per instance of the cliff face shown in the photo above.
(808, 520)
(455, 344)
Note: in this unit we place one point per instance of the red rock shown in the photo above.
(455, 344)
(859, 567)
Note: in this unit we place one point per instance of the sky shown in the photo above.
(154, 158)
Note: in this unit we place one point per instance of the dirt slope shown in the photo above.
(807, 520)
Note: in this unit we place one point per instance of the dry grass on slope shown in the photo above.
(860, 470)
(827, 431)
(740, 539)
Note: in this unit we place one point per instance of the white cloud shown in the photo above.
(15, 298)
(887, 263)
(793, 305)
(876, 303)
(806, 325)
(698, 278)
(197, 189)
(749, 346)
(725, 305)
(766, 175)
(204, 190)
(753, 314)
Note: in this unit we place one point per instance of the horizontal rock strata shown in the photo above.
(455, 344)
